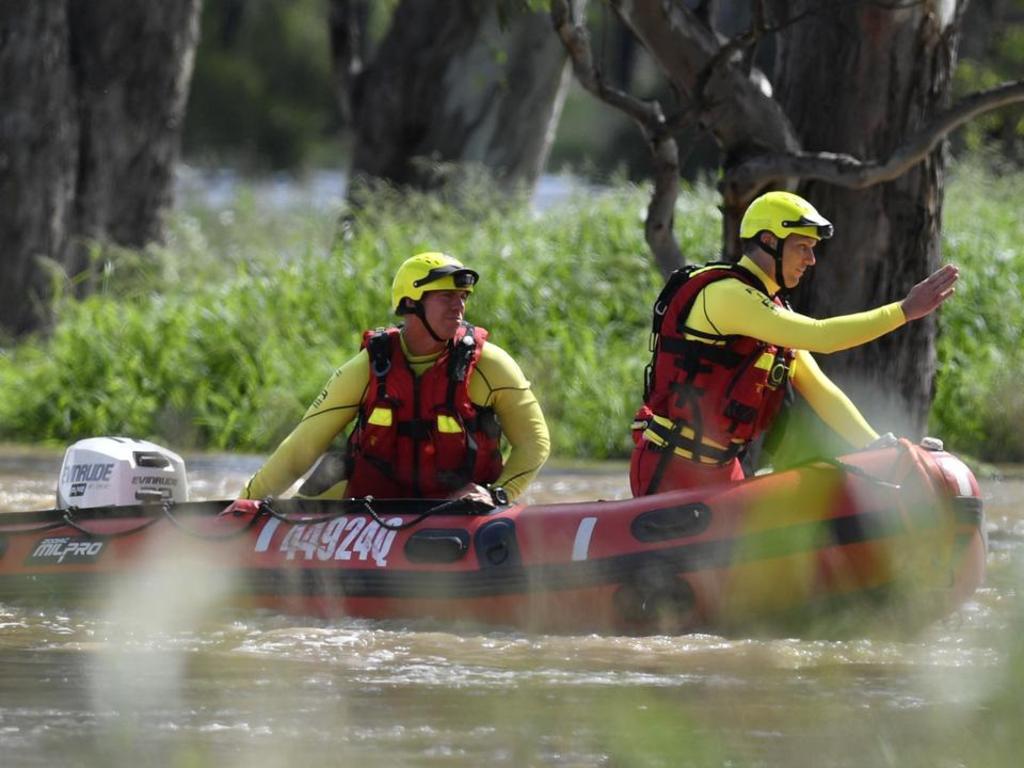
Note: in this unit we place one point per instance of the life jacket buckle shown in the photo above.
(379, 349)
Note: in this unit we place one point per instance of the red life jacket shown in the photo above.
(725, 392)
(421, 436)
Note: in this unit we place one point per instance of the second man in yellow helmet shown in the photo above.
(430, 399)
(726, 344)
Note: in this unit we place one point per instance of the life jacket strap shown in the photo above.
(486, 421)
(378, 347)
(724, 356)
(417, 429)
(674, 441)
(462, 355)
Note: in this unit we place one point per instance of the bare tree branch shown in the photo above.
(658, 227)
(738, 44)
(577, 42)
(741, 117)
(760, 28)
(852, 173)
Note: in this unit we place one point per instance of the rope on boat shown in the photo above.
(70, 522)
(366, 505)
(855, 470)
(438, 510)
(166, 509)
(35, 529)
(264, 507)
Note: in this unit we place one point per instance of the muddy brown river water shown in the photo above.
(188, 683)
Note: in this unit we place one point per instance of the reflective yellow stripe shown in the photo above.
(686, 432)
(381, 417)
(448, 425)
(764, 362)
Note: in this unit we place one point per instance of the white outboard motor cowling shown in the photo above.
(120, 471)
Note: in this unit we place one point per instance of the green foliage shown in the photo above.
(992, 52)
(261, 95)
(222, 338)
(979, 401)
(999, 131)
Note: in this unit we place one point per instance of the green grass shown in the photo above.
(979, 399)
(220, 338)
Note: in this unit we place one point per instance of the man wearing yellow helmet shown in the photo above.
(726, 345)
(430, 399)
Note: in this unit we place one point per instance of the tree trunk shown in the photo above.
(94, 95)
(450, 85)
(349, 22)
(38, 134)
(132, 67)
(893, 69)
(860, 100)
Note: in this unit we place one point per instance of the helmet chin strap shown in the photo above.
(783, 288)
(776, 253)
(417, 309)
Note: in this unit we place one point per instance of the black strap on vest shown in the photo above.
(417, 429)
(674, 438)
(672, 285)
(458, 362)
(693, 357)
(679, 346)
(458, 369)
(378, 347)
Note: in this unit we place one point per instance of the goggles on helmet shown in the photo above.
(461, 277)
(825, 231)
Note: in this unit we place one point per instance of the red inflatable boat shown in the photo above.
(890, 538)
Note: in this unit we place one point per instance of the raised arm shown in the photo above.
(731, 307)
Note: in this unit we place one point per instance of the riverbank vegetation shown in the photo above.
(221, 338)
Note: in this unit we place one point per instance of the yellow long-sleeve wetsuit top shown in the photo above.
(731, 307)
(497, 382)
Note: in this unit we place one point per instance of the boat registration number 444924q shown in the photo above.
(343, 538)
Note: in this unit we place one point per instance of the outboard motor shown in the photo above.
(120, 471)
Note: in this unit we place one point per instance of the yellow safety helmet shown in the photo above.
(784, 214)
(431, 271)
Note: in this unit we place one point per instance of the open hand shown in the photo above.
(927, 295)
